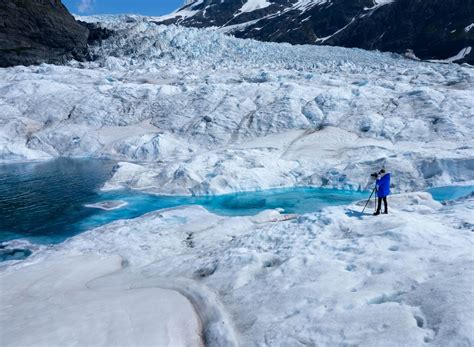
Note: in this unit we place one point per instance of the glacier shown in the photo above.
(192, 112)
(195, 110)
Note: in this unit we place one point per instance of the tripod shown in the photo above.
(373, 190)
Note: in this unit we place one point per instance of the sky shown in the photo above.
(145, 7)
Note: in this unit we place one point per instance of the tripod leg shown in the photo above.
(373, 190)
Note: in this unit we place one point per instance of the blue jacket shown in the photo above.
(383, 185)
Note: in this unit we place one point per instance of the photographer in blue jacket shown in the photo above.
(382, 185)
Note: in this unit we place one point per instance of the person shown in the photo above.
(382, 185)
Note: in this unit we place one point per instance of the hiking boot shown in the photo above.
(376, 213)
(385, 212)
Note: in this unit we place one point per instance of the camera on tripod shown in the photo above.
(376, 174)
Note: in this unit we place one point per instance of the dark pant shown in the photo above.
(379, 204)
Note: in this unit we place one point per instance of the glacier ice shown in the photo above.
(198, 110)
(108, 205)
(188, 111)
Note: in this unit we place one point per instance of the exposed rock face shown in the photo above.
(36, 31)
(97, 33)
(435, 29)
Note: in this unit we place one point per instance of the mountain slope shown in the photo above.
(35, 31)
(43, 31)
(436, 29)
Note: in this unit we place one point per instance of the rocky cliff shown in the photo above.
(36, 31)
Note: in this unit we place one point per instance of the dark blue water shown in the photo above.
(44, 202)
(46, 199)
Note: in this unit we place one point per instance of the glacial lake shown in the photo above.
(47, 202)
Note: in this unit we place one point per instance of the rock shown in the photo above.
(36, 31)
(433, 29)
(97, 33)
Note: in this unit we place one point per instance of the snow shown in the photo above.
(252, 5)
(57, 302)
(304, 5)
(462, 53)
(382, 2)
(469, 27)
(333, 278)
(377, 4)
(322, 39)
(247, 6)
(184, 13)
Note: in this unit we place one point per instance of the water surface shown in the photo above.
(45, 202)
(46, 199)
(450, 192)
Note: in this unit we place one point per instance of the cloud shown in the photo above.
(85, 5)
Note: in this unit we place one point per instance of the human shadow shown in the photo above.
(357, 214)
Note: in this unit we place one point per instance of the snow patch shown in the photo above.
(462, 53)
(383, 2)
(253, 5)
(68, 310)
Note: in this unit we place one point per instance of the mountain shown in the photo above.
(36, 31)
(435, 29)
